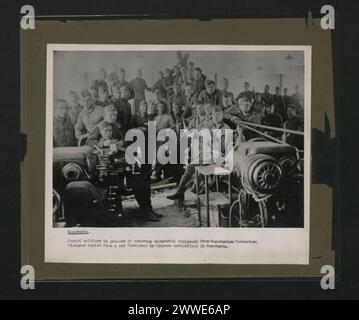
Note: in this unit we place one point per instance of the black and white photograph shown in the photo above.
(162, 137)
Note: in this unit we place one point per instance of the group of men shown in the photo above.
(182, 97)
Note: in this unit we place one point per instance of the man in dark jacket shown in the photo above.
(140, 86)
(247, 92)
(191, 99)
(199, 80)
(273, 120)
(298, 100)
(75, 106)
(123, 108)
(64, 133)
(279, 106)
(210, 94)
(296, 124)
(267, 96)
(101, 81)
(160, 84)
(122, 82)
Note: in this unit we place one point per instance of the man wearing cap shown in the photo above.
(244, 114)
(88, 118)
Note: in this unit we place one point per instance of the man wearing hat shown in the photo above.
(88, 117)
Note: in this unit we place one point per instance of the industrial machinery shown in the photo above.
(269, 182)
(87, 186)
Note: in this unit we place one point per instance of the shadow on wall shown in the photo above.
(324, 155)
(326, 170)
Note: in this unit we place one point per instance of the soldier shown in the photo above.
(103, 97)
(113, 77)
(219, 124)
(199, 80)
(247, 92)
(160, 84)
(177, 117)
(101, 81)
(177, 96)
(266, 95)
(246, 114)
(208, 108)
(210, 94)
(110, 117)
(296, 124)
(273, 120)
(63, 135)
(286, 98)
(230, 110)
(298, 100)
(191, 98)
(177, 76)
(140, 86)
(88, 117)
(217, 121)
(75, 106)
(279, 106)
(225, 92)
(106, 139)
(121, 82)
(199, 121)
(163, 119)
(141, 119)
(123, 108)
(258, 105)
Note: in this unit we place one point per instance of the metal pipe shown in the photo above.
(263, 134)
(301, 133)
